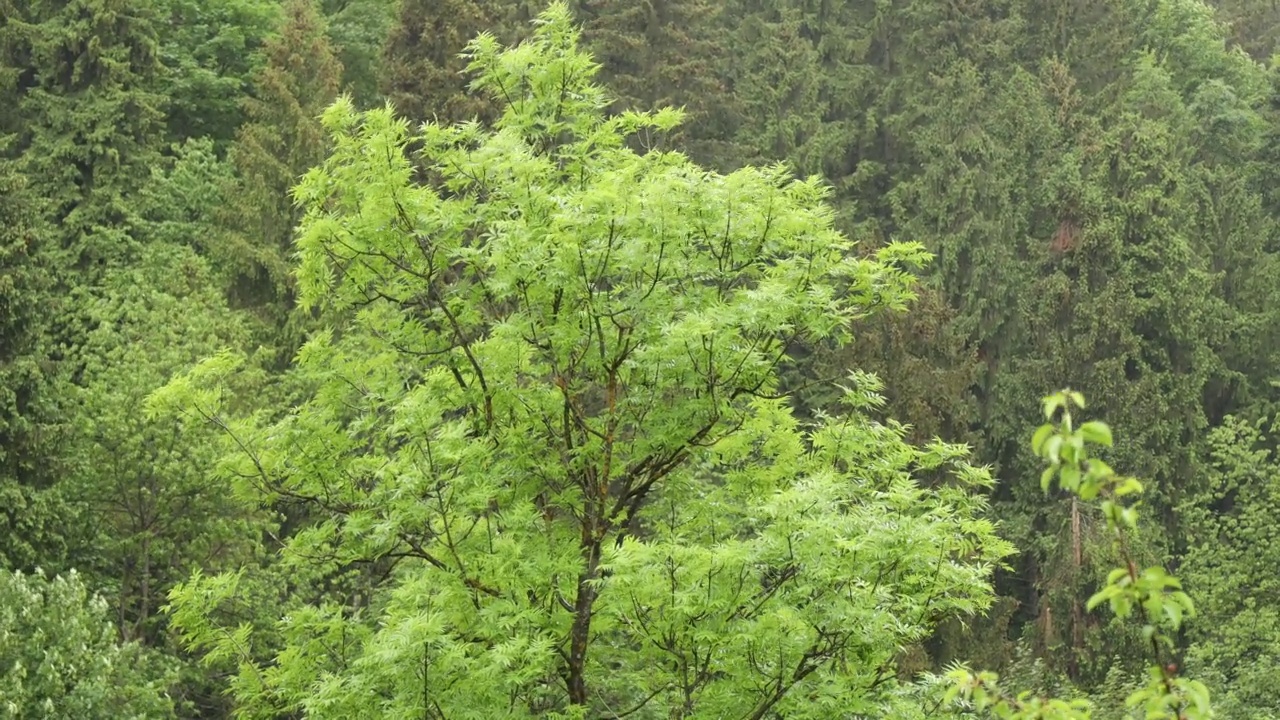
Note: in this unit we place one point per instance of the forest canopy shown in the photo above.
(405, 358)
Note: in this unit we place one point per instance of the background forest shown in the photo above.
(206, 373)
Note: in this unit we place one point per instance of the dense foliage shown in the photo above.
(663, 359)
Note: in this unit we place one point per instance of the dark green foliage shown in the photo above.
(357, 29)
(1254, 24)
(209, 49)
(31, 512)
(422, 71)
(1233, 548)
(663, 53)
(281, 139)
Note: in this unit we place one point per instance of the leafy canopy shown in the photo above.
(545, 413)
(59, 657)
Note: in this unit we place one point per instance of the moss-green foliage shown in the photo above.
(86, 116)
(1254, 24)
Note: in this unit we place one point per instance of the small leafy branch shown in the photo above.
(1151, 596)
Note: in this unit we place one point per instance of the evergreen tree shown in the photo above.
(1254, 25)
(32, 521)
(422, 67)
(280, 141)
(87, 119)
(663, 53)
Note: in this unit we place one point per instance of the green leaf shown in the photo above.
(1096, 432)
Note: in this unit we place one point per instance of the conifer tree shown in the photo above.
(87, 119)
(79, 123)
(281, 139)
(664, 53)
(32, 515)
(422, 67)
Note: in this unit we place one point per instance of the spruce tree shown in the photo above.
(422, 67)
(281, 140)
(87, 119)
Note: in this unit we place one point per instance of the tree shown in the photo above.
(1231, 560)
(358, 30)
(59, 656)
(86, 117)
(422, 67)
(210, 50)
(33, 510)
(143, 485)
(1151, 596)
(280, 141)
(662, 54)
(1254, 24)
(546, 408)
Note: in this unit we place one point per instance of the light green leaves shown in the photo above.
(59, 657)
(545, 421)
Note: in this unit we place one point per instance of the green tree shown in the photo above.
(148, 504)
(33, 511)
(1230, 559)
(1254, 24)
(209, 50)
(422, 67)
(59, 657)
(547, 405)
(358, 30)
(280, 141)
(1151, 598)
(86, 116)
(659, 54)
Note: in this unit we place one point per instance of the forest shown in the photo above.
(650, 359)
